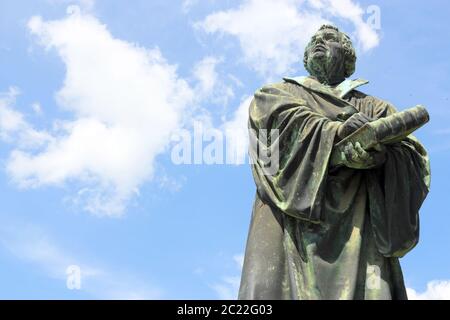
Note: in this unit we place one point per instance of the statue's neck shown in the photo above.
(328, 73)
(333, 81)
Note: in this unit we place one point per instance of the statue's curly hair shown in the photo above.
(349, 51)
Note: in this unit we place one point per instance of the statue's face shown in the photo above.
(326, 57)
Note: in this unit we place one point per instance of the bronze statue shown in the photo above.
(343, 204)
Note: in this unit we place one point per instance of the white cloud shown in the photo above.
(236, 131)
(125, 100)
(33, 245)
(206, 74)
(266, 32)
(352, 11)
(436, 290)
(10, 120)
(273, 33)
(14, 127)
(37, 108)
(210, 86)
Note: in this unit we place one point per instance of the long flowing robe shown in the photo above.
(324, 232)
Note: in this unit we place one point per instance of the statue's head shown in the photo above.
(330, 56)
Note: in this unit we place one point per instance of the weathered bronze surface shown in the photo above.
(342, 208)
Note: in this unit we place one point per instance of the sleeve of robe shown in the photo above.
(396, 191)
(305, 141)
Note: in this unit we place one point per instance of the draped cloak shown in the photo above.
(324, 232)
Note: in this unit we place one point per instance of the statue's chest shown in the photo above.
(334, 108)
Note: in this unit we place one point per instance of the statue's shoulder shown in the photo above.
(281, 85)
(280, 88)
(380, 105)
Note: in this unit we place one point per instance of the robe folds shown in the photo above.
(324, 232)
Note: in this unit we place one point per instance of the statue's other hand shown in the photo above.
(354, 156)
(352, 124)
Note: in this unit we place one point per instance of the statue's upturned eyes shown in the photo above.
(327, 37)
(330, 37)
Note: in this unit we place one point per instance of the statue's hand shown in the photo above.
(352, 124)
(354, 156)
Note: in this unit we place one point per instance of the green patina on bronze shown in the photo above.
(325, 229)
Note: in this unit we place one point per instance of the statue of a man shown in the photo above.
(320, 229)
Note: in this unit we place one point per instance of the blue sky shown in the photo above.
(93, 93)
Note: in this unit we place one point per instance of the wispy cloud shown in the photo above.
(211, 86)
(236, 130)
(444, 131)
(37, 108)
(227, 288)
(186, 5)
(33, 245)
(239, 259)
(84, 4)
(15, 128)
